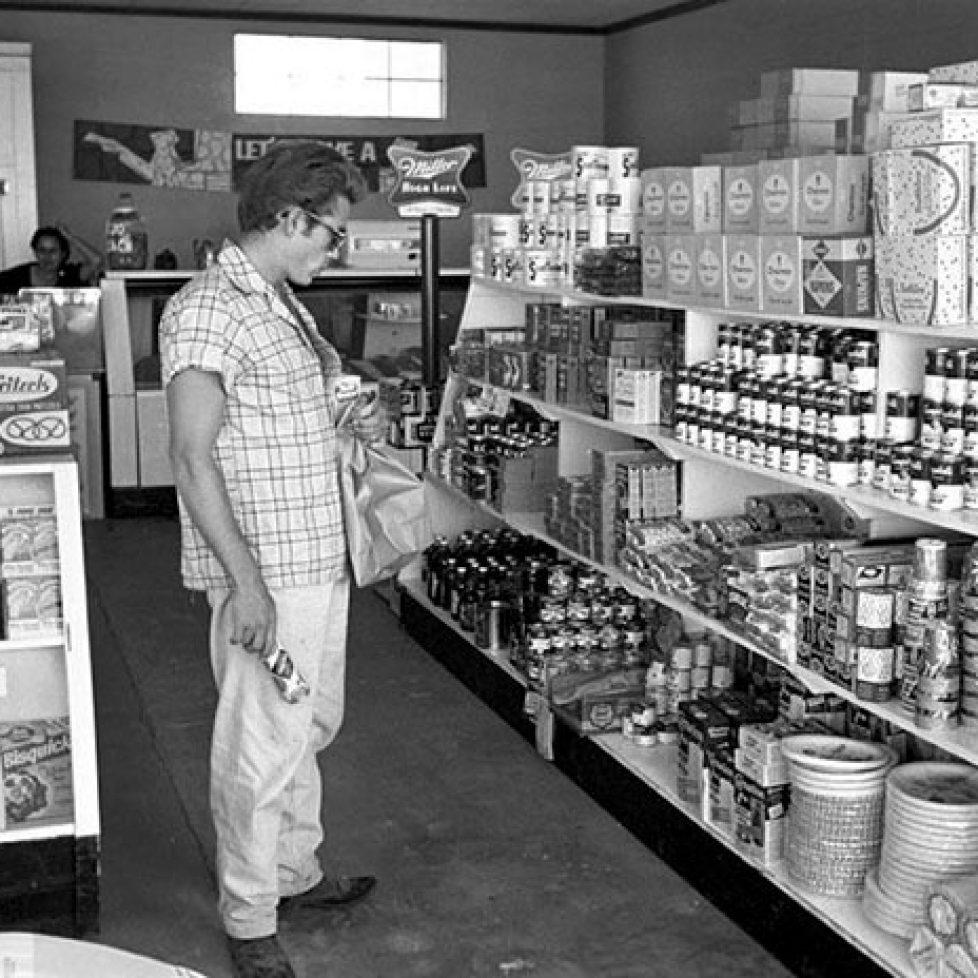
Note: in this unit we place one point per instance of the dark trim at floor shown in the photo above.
(800, 940)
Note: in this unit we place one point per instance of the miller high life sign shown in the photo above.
(429, 183)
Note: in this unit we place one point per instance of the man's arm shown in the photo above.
(195, 405)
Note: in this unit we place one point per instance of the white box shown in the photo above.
(710, 255)
(805, 108)
(935, 126)
(809, 81)
(383, 244)
(654, 197)
(740, 199)
(923, 281)
(743, 272)
(781, 274)
(890, 90)
(653, 265)
(693, 198)
(636, 397)
(680, 268)
(923, 191)
(965, 72)
(936, 95)
(778, 196)
(833, 194)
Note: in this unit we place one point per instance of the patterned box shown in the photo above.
(935, 126)
(923, 280)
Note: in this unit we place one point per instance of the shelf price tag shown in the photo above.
(429, 184)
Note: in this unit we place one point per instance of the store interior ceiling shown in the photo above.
(581, 16)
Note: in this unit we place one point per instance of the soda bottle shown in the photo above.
(126, 241)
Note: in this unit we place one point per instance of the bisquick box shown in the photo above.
(35, 768)
(925, 190)
(838, 275)
(778, 196)
(935, 126)
(693, 198)
(782, 291)
(743, 272)
(810, 81)
(740, 204)
(710, 261)
(923, 281)
(833, 194)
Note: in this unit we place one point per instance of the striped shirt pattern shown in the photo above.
(276, 447)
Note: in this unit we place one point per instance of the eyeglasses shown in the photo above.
(337, 235)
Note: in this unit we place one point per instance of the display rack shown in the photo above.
(49, 866)
(901, 367)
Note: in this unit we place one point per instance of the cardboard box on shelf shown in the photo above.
(35, 771)
(810, 81)
(923, 280)
(833, 194)
(680, 268)
(838, 275)
(778, 196)
(782, 291)
(740, 206)
(935, 126)
(743, 272)
(710, 257)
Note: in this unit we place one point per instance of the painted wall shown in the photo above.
(539, 91)
(669, 85)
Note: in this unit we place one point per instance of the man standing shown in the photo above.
(253, 448)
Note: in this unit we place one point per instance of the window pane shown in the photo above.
(337, 76)
(416, 100)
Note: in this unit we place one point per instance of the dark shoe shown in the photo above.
(340, 892)
(261, 957)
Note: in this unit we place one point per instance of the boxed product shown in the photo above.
(781, 274)
(35, 765)
(703, 729)
(925, 190)
(653, 264)
(965, 72)
(19, 328)
(740, 193)
(938, 95)
(889, 90)
(760, 818)
(778, 196)
(33, 403)
(935, 126)
(804, 108)
(833, 194)
(810, 81)
(722, 807)
(923, 280)
(838, 275)
(680, 268)
(710, 257)
(743, 272)
(636, 395)
(693, 195)
(654, 186)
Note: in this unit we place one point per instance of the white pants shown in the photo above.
(266, 794)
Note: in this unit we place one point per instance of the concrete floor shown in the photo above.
(491, 862)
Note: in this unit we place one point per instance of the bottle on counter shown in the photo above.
(126, 240)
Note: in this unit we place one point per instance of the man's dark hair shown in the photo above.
(48, 232)
(295, 173)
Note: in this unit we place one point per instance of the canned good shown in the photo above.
(956, 377)
(952, 428)
(843, 463)
(862, 360)
(900, 462)
(947, 481)
(902, 409)
(920, 479)
(867, 462)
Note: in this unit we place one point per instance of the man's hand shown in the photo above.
(368, 420)
(253, 619)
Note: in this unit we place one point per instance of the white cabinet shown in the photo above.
(18, 177)
(49, 827)
(703, 472)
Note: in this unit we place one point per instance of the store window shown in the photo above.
(276, 74)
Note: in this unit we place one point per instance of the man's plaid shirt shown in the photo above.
(276, 447)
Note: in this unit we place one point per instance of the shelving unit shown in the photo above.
(901, 367)
(49, 867)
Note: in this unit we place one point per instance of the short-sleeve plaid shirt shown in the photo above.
(276, 447)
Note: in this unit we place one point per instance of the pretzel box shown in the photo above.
(33, 404)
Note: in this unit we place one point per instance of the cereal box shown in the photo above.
(838, 275)
(35, 764)
(680, 268)
(654, 197)
(740, 210)
(777, 182)
(653, 264)
(781, 274)
(743, 272)
(710, 256)
(833, 194)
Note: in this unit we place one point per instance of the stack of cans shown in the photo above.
(968, 613)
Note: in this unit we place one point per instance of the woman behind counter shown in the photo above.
(51, 268)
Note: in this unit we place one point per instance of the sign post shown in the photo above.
(429, 186)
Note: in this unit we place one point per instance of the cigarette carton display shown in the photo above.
(935, 126)
(710, 256)
(654, 184)
(838, 275)
(653, 265)
(35, 768)
(833, 194)
(680, 268)
(743, 272)
(923, 280)
(925, 190)
(781, 274)
(693, 195)
(740, 210)
(778, 196)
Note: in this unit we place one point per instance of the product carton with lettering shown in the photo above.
(935, 126)
(834, 194)
(838, 275)
(710, 256)
(810, 81)
(761, 818)
(778, 196)
(654, 186)
(636, 395)
(721, 810)
(740, 192)
(653, 264)
(926, 190)
(33, 404)
(923, 281)
(693, 195)
(702, 728)
(781, 274)
(743, 272)
(680, 261)
(35, 767)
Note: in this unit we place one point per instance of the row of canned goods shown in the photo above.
(807, 352)
(951, 376)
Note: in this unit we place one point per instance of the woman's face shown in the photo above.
(49, 254)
